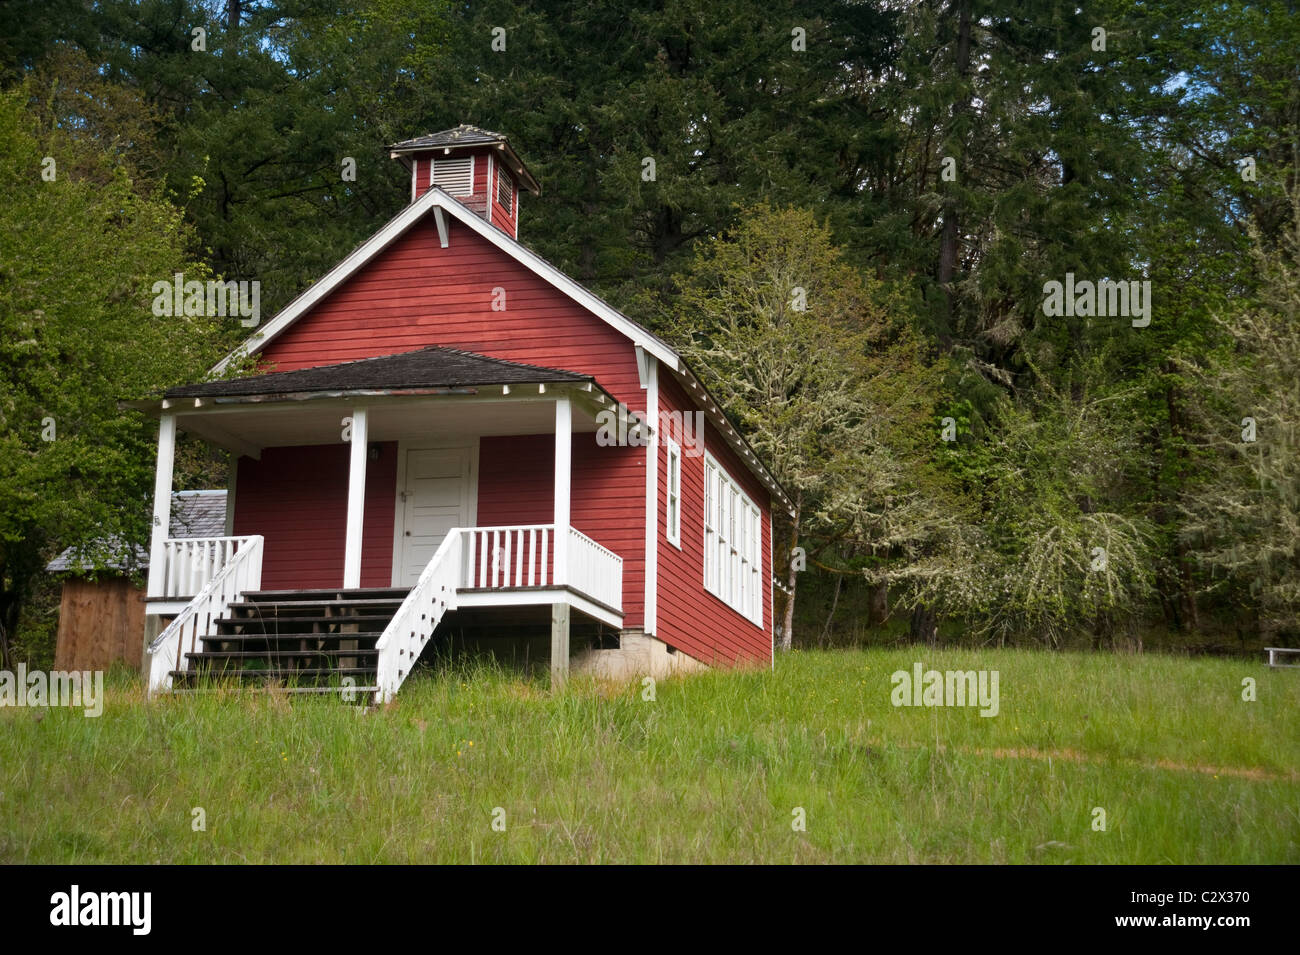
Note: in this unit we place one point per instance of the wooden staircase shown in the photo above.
(308, 641)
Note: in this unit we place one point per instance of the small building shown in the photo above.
(447, 433)
(101, 610)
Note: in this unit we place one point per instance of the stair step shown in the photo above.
(278, 654)
(289, 689)
(274, 672)
(388, 593)
(368, 636)
(303, 621)
(296, 639)
(274, 606)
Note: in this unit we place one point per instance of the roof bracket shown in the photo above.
(643, 359)
(441, 221)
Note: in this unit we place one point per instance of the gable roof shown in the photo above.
(441, 204)
(194, 514)
(434, 367)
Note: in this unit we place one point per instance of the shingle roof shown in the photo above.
(198, 514)
(194, 514)
(433, 367)
(462, 135)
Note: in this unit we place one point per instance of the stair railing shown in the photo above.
(167, 652)
(411, 627)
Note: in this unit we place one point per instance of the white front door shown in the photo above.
(435, 497)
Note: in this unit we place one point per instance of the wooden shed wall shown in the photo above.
(100, 622)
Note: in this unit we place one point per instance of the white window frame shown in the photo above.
(673, 492)
(733, 551)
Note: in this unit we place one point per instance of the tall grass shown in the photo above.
(711, 770)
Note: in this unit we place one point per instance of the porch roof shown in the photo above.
(432, 367)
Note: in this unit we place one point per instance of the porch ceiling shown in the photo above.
(246, 428)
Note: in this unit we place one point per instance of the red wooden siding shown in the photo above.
(516, 478)
(516, 486)
(608, 505)
(690, 617)
(297, 498)
(422, 171)
(416, 294)
(502, 219)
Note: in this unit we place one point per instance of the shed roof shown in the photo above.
(194, 514)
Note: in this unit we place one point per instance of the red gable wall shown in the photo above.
(416, 294)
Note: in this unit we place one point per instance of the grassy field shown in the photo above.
(712, 770)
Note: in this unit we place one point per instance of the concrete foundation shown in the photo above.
(637, 655)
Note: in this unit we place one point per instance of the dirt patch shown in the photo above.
(1075, 756)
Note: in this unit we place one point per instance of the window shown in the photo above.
(673, 519)
(504, 191)
(732, 543)
(453, 176)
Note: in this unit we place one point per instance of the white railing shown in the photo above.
(595, 570)
(488, 558)
(240, 573)
(421, 612)
(498, 557)
(191, 562)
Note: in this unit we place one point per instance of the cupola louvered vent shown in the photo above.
(454, 176)
(474, 166)
(505, 192)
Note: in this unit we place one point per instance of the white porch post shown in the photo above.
(162, 505)
(356, 499)
(563, 465)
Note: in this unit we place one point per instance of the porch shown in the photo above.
(210, 599)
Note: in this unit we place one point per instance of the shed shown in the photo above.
(101, 611)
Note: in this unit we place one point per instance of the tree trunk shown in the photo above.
(792, 578)
(878, 605)
(9, 610)
(924, 628)
(835, 600)
(951, 232)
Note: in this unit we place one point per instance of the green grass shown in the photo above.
(708, 772)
